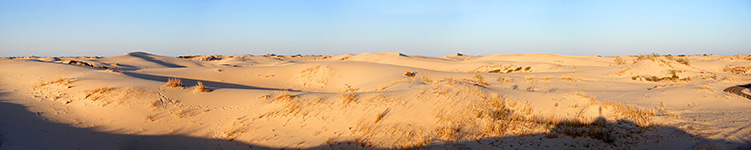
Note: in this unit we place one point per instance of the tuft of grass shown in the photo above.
(505, 80)
(97, 93)
(200, 88)
(348, 95)
(672, 77)
(480, 80)
(684, 61)
(502, 69)
(282, 96)
(738, 69)
(619, 60)
(58, 80)
(639, 116)
(380, 116)
(174, 82)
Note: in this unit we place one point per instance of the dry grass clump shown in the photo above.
(504, 80)
(292, 103)
(380, 116)
(59, 80)
(742, 57)
(599, 129)
(200, 88)
(348, 95)
(209, 57)
(639, 116)
(672, 77)
(480, 80)
(567, 78)
(619, 60)
(529, 78)
(502, 69)
(742, 70)
(682, 59)
(107, 95)
(283, 95)
(652, 57)
(97, 93)
(174, 82)
(238, 127)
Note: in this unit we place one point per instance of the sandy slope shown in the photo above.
(529, 101)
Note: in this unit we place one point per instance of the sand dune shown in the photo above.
(375, 100)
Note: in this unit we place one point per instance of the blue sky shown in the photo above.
(430, 28)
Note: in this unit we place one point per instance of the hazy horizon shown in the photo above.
(426, 28)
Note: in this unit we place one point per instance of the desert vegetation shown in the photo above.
(200, 88)
(502, 69)
(174, 82)
(742, 70)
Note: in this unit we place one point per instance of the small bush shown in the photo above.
(348, 95)
(481, 80)
(174, 82)
(683, 61)
(505, 80)
(673, 77)
(620, 61)
(737, 69)
(200, 88)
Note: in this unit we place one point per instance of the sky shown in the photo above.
(412, 27)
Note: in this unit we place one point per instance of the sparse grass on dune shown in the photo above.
(501, 69)
(742, 70)
(58, 80)
(349, 94)
(107, 95)
(672, 77)
(291, 103)
(681, 59)
(480, 80)
(619, 60)
(476, 113)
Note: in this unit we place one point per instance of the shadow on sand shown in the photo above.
(147, 57)
(738, 90)
(21, 129)
(193, 82)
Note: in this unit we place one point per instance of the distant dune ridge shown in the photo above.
(375, 100)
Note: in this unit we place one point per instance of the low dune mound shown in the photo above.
(660, 68)
(742, 70)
